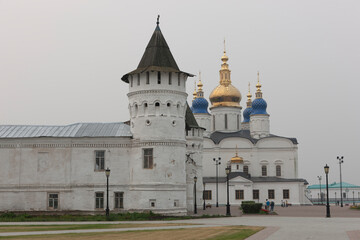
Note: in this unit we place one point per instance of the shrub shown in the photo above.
(251, 207)
(247, 202)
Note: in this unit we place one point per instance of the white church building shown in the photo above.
(154, 156)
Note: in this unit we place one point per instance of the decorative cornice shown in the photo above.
(94, 145)
(157, 91)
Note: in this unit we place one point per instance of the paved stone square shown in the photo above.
(291, 223)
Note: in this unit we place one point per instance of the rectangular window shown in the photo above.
(179, 79)
(246, 169)
(99, 160)
(271, 194)
(256, 194)
(278, 170)
(119, 200)
(147, 78)
(286, 193)
(263, 171)
(148, 158)
(159, 78)
(53, 201)
(226, 122)
(99, 200)
(207, 195)
(239, 194)
(170, 80)
(176, 203)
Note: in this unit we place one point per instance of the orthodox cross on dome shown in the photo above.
(258, 93)
(157, 21)
(200, 93)
(248, 103)
(194, 93)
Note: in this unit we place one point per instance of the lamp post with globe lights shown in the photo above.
(217, 163)
(341, 161)
(195, 208)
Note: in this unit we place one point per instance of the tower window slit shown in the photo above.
(159, 78)
(138, 79)
(147, 77)
(179, 79)
(170, 78)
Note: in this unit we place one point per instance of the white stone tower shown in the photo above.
(259, 118)
(225, 100)
(157, 105)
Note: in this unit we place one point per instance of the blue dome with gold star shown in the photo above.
(200, 105)
(246, 114)
(259, 106)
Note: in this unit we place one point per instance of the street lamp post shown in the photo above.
(227, 170)
(217, 163)
(353, 198)
(204, 206)
(341, 160)
(319, 177)
(195, 208)
(107, 174)
(326, 168)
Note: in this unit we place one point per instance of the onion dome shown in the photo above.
(259, 105)
(248, 110)
(200, 104)
(237, 159)
(225, 95)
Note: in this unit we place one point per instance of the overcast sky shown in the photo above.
(61, 63)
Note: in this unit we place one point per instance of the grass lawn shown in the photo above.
(211, 233)
(148, 216)
(30, 228)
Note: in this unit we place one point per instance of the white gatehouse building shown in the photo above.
(154, 156)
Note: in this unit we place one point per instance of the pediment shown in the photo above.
(240, 179)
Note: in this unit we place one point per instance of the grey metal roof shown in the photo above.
(253, 179)
(217, 137)
(117, 129)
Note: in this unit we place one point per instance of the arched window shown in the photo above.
(246, 169)
(157, 104)
(278, 170)
(263, 171)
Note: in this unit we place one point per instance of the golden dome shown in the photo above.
(237, 159)
(225, 95)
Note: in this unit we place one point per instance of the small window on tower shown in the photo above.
(148, 158)
(170, 78)
(159, 78)
(138, 79)
(179, 79)
(147, 77)
(157, 104)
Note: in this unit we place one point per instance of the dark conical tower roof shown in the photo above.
(157, 57)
